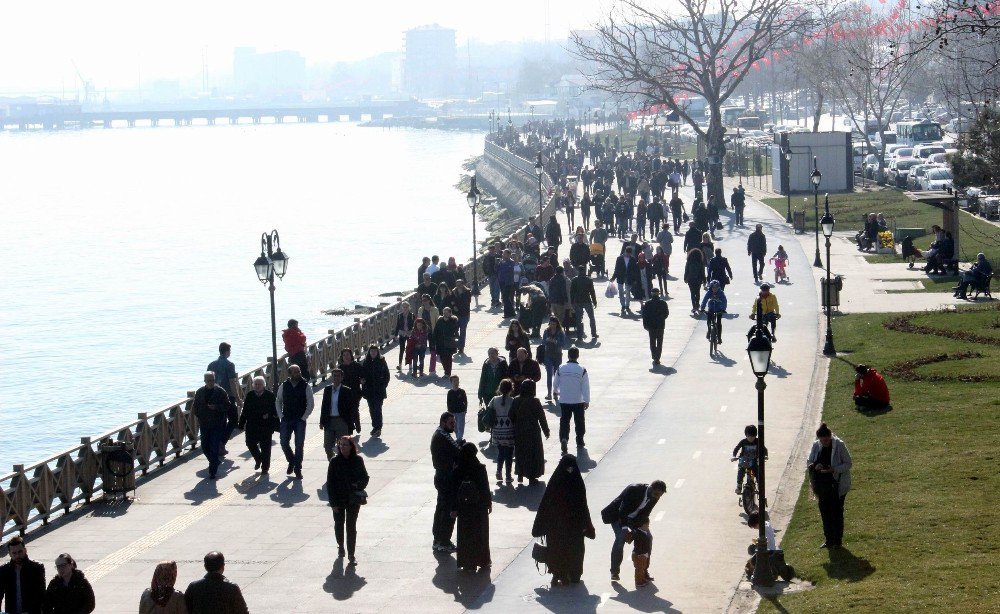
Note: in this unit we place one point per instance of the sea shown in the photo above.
(128, 255)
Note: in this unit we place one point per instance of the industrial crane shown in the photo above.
(88, 86)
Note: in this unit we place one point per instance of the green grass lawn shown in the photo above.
(922, 527)
(849, 209)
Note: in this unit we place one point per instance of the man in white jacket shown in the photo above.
(571, 387)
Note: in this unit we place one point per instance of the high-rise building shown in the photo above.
(429, 62)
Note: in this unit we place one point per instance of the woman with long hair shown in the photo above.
(472, 504)
(563, 519)
(376, 383)
(69, 592)
(517, 337)
(443, 297)
(694, 276)
(502, 433)
(161, 597)
(346, 480)
(553, 340)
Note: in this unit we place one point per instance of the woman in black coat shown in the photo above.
(69, 592)
(345, 477)
(563, 518)
(529, 422)
(376, 382)
(258, 422)
(517, 337)
(472, 504)
(694, 276)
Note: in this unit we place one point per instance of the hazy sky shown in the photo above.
(113, 40)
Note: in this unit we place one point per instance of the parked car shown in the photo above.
(937, 178)
(903, 152)
(890, 150)
(916, 174)
(926, 151)
(869, 166)
(898, 170)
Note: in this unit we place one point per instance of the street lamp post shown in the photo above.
(788, 194)
(272, 261)
(827, 223)
(474, 197)
(816, 177)
(759, 350)
(538, 171)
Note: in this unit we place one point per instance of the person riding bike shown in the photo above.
(769, 307)
(746, 453)
(714, 304)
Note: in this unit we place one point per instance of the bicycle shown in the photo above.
(714, 332)
(748, 496)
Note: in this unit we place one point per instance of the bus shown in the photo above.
(749, 123)
(917, 132)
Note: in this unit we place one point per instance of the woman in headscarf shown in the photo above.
(161, 597)
(563, 518)
(529, 422)
(472, 504)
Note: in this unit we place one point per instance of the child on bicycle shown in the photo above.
(714, 304)
(746, 453)
(780, 262)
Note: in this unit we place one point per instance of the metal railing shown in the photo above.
(32, 494)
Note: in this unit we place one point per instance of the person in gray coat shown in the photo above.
(829, 467)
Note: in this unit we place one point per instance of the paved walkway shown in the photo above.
(868, 287)
(678, 423)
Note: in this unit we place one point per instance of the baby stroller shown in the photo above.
(597, 260)
(529, 264)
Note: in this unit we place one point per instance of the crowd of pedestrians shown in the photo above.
(542, 300)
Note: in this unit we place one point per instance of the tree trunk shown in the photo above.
(716, 154)
(819, 110)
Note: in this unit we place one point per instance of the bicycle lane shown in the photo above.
(685, 436)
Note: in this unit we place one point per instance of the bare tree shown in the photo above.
(870, 74)
(700, 47)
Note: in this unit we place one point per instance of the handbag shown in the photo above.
(539, 554)
(487, 417)
(611, 290)
(358, 497)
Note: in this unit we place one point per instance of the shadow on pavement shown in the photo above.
(289, 493)
(373, 447)
(202, 491)
(660, 369)
(642, 599)
(527, 496)
(584, 461)
(723, 360)
(844, 565)
(466, 587)
(343, 584)
(779, 371)
(255, 485)
(106, 508)
(570, 599)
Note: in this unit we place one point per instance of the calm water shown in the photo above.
(129, 255)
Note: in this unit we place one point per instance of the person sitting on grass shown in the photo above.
(870, 390)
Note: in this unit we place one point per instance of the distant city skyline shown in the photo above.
(122, 45)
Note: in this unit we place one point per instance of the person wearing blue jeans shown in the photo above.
(294, 403)
(629, 509)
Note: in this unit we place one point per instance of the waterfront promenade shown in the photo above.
(678, 423)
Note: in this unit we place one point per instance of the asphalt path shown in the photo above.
(684, 436)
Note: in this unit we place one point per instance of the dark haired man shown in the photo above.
(630, 509)
(214, 594)
(22, 581)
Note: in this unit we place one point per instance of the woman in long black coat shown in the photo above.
(529, 422)
(345, 475)
(563, 518)
(472, 504)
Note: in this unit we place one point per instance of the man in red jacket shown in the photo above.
(870, 390)
(295, 345)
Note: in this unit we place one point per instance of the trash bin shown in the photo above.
(836, 285)
(117, 469)
(799, 221)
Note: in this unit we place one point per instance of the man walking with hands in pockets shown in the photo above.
(571, 386)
